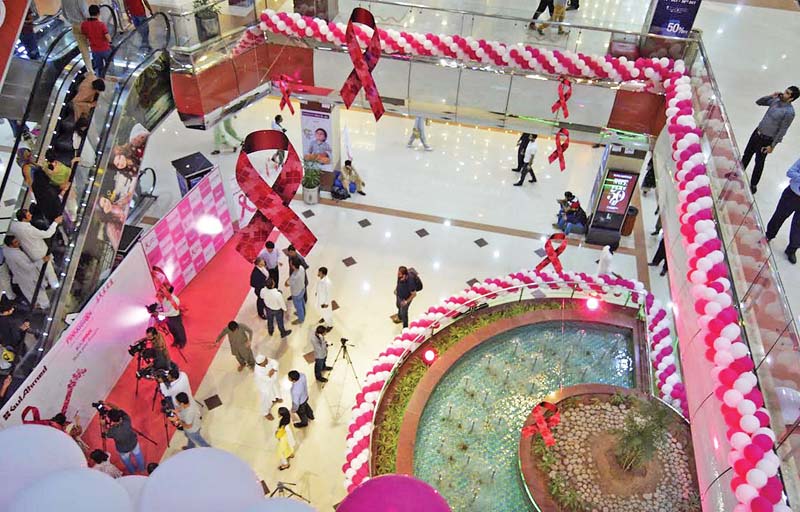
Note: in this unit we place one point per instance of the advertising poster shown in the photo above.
(192, 233)
(674, 18)
(615, 197)
(92, 353)
(317, 129)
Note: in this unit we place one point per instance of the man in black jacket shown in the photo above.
(12, 328)
(258, 280)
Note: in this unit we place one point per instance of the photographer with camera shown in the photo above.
(116, 425)
(153, 348)
(188, 419)
(173, 383)
(320, 345)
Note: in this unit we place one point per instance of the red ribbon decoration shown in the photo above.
(544, 422)
(553, 253)
(272, 203)
(564, 94)
(34, 411)
(562, 143)
(285, 85)
(363, 63)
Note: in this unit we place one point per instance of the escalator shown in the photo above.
(104, 186)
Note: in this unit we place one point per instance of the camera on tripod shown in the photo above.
(344, 341)
(151, 373)
(102, 409)
(137, 347)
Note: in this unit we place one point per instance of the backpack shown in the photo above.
(339, 193)
(415, 275)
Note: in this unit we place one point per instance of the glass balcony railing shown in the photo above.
(211, 21)
(768, 323)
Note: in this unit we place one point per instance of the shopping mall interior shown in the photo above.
(293, 255)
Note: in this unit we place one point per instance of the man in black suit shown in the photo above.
(258, 280)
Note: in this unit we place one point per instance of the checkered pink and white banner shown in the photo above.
(186, 239)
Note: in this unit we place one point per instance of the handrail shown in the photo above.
(116, 103)
(132, 33)
(28, 108)
(506, 17)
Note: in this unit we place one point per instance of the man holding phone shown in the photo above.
(770, 130)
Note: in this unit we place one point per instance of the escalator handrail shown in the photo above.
(28, 108)
(132, 33)
(29, 105)
(114, 18)
(112, 114)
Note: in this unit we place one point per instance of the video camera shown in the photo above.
(102, 409)
(137, 347)
(344, 341)
(152, 308)
(151, 373)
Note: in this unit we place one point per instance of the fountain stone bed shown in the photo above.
(582, 473)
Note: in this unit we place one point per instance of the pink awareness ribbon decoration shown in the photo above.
(562, 143)
(244, 205)
(553, 253)
(35, 415)
(272, 203)
(564, 94)
(363, 63)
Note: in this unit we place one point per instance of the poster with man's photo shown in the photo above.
(317, 137)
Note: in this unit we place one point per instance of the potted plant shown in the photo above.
(311, 178)
(206, 17)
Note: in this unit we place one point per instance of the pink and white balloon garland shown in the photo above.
(357, 457)
(542, 60)
(756, 485)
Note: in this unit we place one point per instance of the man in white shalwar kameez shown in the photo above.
(25, 271)
(266, 377)
(324, 298)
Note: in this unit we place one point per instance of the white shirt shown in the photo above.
(168, 309)
(20, 265)
(530, 152)
(276, 126)
(109, 469)
(192, 416)
(181, 385)
(32, 239)
(324, 291)
(273, 299)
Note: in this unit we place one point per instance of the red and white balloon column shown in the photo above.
(756, 485)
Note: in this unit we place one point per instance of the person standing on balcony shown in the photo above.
(75, 12)
(99, 41)
(770, 131)
(138, 15)
(788, 206)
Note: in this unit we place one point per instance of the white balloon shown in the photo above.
(133, 484)
(745, 408)
(745, 493)
(739, 440)
(280, 505)
(732, 398)
(739, 349)
(72, 490)
(29, 452)
(749, 423)
(756, 478)
(768, 467)
(182, 483)
(731, 331)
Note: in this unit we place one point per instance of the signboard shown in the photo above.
(673, 18)
(317, 128)
(615, 197)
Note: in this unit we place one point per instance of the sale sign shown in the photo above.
(673, 18)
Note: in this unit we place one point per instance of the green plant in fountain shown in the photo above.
(638, 439)
(387, 431)
(565, 495)
(311, 173)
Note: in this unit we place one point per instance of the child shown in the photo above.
(285, 437)
(99, 41)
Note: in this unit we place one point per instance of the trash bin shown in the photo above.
(630, 221)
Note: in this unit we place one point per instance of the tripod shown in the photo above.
(344, 355)
(282, 490)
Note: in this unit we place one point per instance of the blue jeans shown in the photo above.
(299, 306)
(140, 21)
(195, 439)
(128, 459)
(319, 367)
(100, 62)
(275, 315)
(570, 227)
